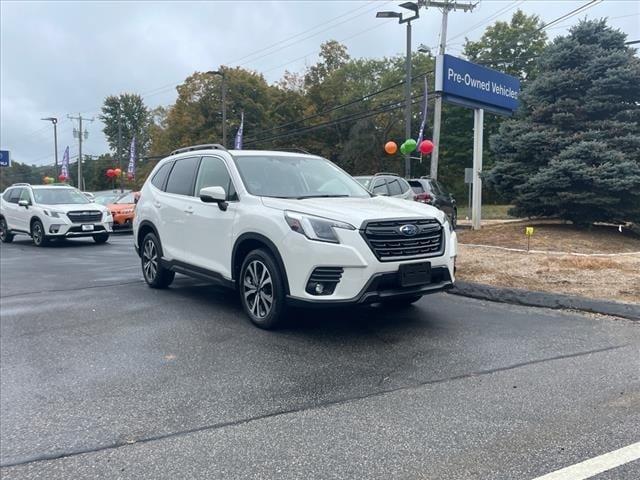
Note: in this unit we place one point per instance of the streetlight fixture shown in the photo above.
(224, 103)
(54, 121)
(414, 7)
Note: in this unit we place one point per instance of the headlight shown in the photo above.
(107, 214)
(315, 228)
(53, 213)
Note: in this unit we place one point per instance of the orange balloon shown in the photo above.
(117, 171)
(391, 147)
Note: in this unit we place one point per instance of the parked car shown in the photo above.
(434, 193)
(48, 212)
(105, 197)
(387, 184)
(123, 210)
(286, 229)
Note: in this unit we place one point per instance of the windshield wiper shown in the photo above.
(320, 196)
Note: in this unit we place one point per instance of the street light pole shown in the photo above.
(407, 102)
(414, 7)
(54, 121)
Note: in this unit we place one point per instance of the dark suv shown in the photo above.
(434, 193)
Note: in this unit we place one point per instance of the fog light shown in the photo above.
(54, 228)
(319, 288)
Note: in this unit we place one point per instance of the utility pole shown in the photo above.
(446, 6)
(80, 134)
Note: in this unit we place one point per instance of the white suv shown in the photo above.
(46, 212)
(286, 229)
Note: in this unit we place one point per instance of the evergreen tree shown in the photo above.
(574, 149)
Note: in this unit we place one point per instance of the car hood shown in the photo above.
(357, 210)
(70, 207)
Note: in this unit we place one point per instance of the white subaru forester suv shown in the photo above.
(286, 229)
(47, 212)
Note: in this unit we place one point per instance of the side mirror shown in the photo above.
(214, 195)
(24, 203)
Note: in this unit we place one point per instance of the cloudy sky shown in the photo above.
(60, 58)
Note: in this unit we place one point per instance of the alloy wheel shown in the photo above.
(38, 234)
(150, 260)
(258, 289)
(3, 229)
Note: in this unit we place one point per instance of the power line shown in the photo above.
(570, 14)
(511, 6)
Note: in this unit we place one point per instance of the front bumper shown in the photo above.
(364, 278)
(123, 220)
(382, 287)
(75, 230)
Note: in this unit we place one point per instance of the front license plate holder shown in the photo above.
(413, 274)
(87, 228)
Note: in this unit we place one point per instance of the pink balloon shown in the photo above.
(426, 147)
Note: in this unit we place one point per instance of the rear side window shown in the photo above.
(394, 187)
(182, 176)
(160, 177)
(380, 186)
(404, 185)
(7, 195)
(15, 195)
(417, 186)
(213, 173)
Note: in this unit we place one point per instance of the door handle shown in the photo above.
(188, 210)
(156, 204)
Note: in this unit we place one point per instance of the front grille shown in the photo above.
(388, 243)
(85, 216)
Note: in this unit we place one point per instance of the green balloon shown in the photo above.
(404, 149)
(411, 145)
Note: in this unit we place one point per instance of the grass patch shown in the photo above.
(489, 212)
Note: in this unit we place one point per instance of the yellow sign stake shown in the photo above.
(528, 231)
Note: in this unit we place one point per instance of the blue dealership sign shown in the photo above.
(5, 159)
(475, 86)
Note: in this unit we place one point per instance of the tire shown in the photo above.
(37, 234)
(101, 238)
(454, 219)
(402, 301)
(260, 280)
(5, 234)
(153, 272)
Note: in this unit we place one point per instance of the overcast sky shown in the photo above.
(60, 58)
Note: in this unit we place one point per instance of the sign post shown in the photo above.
(474, 86)
(5, 158)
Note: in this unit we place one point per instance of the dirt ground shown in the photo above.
(607, 277)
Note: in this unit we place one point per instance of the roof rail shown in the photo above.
(425, 177)
(386, 173)
(294, 149)
(206, 146)
(21, 184)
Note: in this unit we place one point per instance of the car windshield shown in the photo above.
(128, 198)
(59, 196)
(364, 181)
(296, 177)
(106, 198)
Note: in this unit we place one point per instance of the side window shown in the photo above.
(434, 188)
(15, 195)
(394, 187)
(25, 195)
(213, 173)
(160, 177)
(380, 186)
(441, 189)
(182, 176)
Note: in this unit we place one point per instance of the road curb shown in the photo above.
(546, 300)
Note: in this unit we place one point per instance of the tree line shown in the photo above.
(571, 150)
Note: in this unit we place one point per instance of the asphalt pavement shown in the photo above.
(102, 377)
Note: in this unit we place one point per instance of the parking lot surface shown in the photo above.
(102, 377)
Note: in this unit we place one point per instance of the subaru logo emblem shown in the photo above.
(408, 230)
